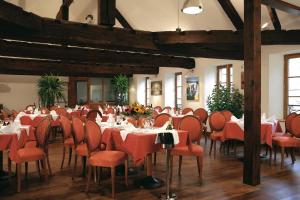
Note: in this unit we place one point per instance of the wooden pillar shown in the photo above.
(106, 12)
(252, 59)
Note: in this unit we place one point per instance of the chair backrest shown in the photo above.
(288, 122)
(202, 114)
(36, 121)
(30, 108)
(227, 114)
(193, 125)
(93, 136)
(78, 130)
(295, 126)
(186, 111)
(4, 114)
(161, 119)
(217, 121)
(92, 115)
(44, 110)
(110, 110)
(158, 109)
(14, 114)
(154, 114)
(83, 111)
(25, 120)
(66, 126)
(117, 141)
(167, 108)
(61, 111)
(42, 133)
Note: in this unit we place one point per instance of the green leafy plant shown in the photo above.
(120, 85)
(226, 98)
(50, 89)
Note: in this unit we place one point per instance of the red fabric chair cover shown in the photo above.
(295, 126)
(202, 114)
(227, 115)
(158, 109)
(161, 119)
(42, 133)
(93, 136)
(78, 130)
(217, 121)
(110, 111)
(92, 115)
(186, 111)
(61, 111)
(193, 126)
(25, 120)
(66, 126)
(288, 122)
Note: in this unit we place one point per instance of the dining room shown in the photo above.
(173, 99)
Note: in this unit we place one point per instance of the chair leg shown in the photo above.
(99, 177)
(211, 146)
(293, 155)
(70, 156)
(83, 158)
(126, 172)
(88, 178)
(75, 165)
(48, 163)
(270, 158)
(171, 168)
(275, 151)
(63, 157)
(45, 169)
(282, 157)
(200, 165)
(9, 167)
(95, 174)
(26, 171)
(179, 166)
(154, 162)
(113, 181)
(215, 149)
(37, 164)
(205, 137)
(19, 171)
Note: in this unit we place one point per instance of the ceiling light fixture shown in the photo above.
(192, 7)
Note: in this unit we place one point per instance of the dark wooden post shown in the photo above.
(252, 59)
(106, 12)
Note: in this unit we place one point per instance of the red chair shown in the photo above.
(68, 141)
(227, 114)
(158, 109)
(288, 122)
(25, 120)
(217, 122)
(186, 111)
(79, 142)
(110, 110)
(38, 153)
(92, 115)
(31, 142)
(161, 119)
(202, 114)
(44, 110)
(99, 158)
(167, 109)
(288, 142)
(194, 128)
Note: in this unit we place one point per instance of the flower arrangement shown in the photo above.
(137, 111)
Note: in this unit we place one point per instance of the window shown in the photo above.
(224, 75)
(178, 90)
(291, 84)
(147, 91)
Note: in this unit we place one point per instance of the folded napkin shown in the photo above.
(53, 112)
(165, 126)
(189, 113)
(272, 119)
(13, 128)
(100, 109)
(20, 114)
(69, 110)
(234, 119)
(165, 111)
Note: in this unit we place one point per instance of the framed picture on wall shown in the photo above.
(192, 88)
(156, 88)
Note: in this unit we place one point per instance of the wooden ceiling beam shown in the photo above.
(41, 67)
(283, 6)
(122, 20)
(274, 18)
(85, 55)
(63, 13)
(106, 12)
(12, 14)
(232, 14)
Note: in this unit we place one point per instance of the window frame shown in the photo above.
(286, 81)
(147, 96)
(176, 86)
(228, 67)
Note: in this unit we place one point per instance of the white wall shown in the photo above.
(16, 91)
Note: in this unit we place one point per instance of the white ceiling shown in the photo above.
(158, 15)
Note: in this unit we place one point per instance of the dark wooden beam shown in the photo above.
(41, 67)
(232, 14)
(274, 18)
(122, 20)
(252, 108)
(88, 55)
(106, 12)
(283, 6)
(63, 12)
(12, 14)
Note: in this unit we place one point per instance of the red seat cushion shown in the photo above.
(107, 158)
(82, 150)
(31, 154)
(286, 141)
(69, 142)
(217, 135)
(280, 134)
(193, 150)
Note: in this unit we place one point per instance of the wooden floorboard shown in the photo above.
(222, 179)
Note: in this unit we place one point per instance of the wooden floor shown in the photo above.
(222, 179)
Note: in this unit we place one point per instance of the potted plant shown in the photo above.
(120, 86)
(226, 98)
(50, 90)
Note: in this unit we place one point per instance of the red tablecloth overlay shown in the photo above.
(233, 131)
(138, 145)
